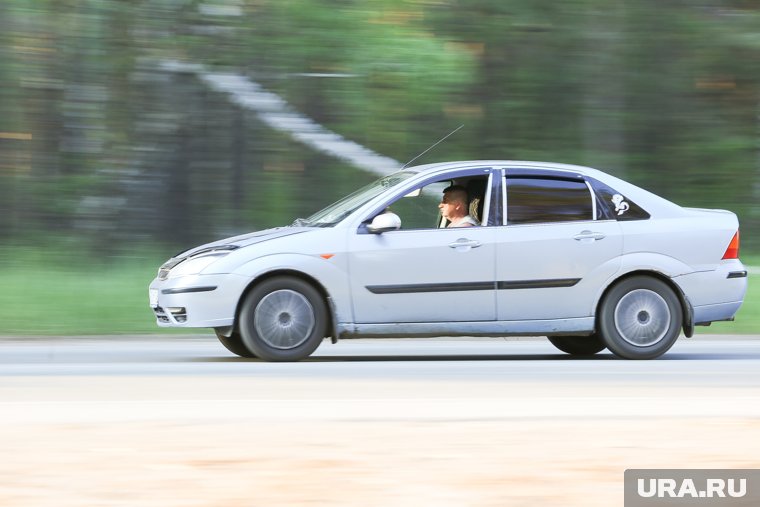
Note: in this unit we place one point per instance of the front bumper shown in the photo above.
(197, 300)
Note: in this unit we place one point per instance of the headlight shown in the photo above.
(195, 265)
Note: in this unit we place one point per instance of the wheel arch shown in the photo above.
(294, 274)
(686, 307)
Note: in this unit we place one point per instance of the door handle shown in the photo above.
(463, 243)
(588, 236)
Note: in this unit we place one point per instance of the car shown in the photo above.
(568, 252)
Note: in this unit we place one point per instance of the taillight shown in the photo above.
(732, 252)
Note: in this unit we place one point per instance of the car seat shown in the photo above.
(476, 191)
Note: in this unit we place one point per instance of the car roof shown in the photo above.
(522, 164)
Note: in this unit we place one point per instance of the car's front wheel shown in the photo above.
(283, 319)
(640, 318)
(578, 345)
(234, 343)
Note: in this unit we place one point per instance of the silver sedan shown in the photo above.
(567, 252)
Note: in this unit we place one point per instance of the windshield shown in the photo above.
(336, 212)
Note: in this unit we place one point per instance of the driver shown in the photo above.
(453, 207)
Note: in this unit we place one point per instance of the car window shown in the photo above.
(541, 200)
(336, 212)
(419, 209)
(613, 205)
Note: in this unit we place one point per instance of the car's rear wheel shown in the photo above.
(283, 319)
(234, 343)
(578, 345)
(640, 318)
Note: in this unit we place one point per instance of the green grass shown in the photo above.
(58, 296)
(53, 295)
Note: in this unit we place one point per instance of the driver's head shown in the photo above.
(454, 202)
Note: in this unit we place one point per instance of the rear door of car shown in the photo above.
(553, 254)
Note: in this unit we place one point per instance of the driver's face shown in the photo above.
(448, 207)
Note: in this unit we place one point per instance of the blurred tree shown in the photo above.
(7, 125)
(99, 145)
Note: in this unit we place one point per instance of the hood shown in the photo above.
(245, 240)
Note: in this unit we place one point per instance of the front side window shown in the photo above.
(545, 200)
(419, 209)
(461, 199)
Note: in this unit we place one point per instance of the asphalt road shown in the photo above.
(395, 422)
(386, 379)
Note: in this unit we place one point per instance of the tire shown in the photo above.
(640, 318)
(234, 344)
(283, 319)
(578, 345)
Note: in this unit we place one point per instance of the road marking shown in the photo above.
(385, 409)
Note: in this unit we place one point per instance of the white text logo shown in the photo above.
(671, 488)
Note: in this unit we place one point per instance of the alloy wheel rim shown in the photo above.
(284, 319)
(642, 318)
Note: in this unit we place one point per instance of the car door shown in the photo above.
(553, 255)
(423, 274)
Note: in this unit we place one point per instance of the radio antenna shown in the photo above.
(433, 146)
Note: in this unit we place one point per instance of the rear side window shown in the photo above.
(613, 205)
(542, 200)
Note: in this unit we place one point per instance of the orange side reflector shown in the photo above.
(327, 256)
(732, 252)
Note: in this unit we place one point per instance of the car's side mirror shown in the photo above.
(384, 222)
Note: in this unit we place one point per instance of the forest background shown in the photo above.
(113, 158)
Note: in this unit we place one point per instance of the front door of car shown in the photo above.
(428, 275)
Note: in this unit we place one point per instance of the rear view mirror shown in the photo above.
(384, 222)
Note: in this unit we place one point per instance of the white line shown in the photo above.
(386, 409)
